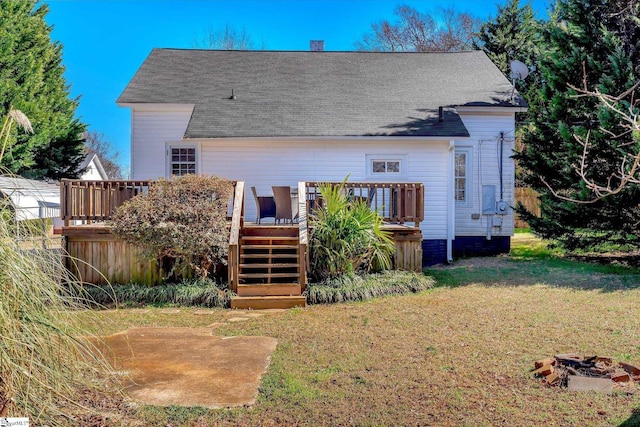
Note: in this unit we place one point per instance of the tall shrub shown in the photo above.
(346, 236)
(47, 361)
(183, 219)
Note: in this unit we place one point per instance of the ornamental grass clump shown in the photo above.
(351, 287)
(47, 362)
(346, 236)
(190, 292)
(182, 220)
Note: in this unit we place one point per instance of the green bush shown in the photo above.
(183, 220)
(351, 287)
(346, 236)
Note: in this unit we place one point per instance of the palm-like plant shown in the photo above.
(347, 236)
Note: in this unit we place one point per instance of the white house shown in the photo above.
(276, 118)
(31, 199)
(92, 169)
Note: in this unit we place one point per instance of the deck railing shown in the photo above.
(303, 237)
(396, 202)
(95, 201)
(237, 219)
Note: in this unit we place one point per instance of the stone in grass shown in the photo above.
(620, 377)
(633, 370)
(579, 383)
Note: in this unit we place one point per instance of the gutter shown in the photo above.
(451, 213)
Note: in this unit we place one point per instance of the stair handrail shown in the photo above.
(237, 219)
(303, 234)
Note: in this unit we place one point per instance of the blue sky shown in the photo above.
(105, 41)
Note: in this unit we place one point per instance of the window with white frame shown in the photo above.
(462, 175)
(182, 160)
(386, 167)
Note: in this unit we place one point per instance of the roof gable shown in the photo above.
(319, 93)
(92, 161)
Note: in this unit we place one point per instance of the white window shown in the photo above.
(462, 175)
(386, 166)
(182, 160)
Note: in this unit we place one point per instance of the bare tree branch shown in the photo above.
(625, 105)
(228, 38)
(97, 143)
(445, 30)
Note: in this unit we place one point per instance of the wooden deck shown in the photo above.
(267, 264)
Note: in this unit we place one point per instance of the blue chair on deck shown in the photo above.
(265, 205)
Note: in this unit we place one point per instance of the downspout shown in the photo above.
(451, 213)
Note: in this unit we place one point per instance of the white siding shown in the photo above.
(150, 132)
(266, 162)
(263, 163)
(92, 173)
(485, 135)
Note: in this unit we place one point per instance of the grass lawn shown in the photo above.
(460, 354)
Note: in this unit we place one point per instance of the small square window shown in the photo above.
(379, 167)
(183, 160)
(393, 167)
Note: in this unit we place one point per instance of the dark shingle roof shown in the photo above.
(319, 93)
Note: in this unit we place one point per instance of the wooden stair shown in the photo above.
(269, 268)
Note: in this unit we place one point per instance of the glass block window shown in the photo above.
(183, 160)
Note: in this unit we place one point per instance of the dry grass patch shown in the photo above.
(458, 355)
(448, 357)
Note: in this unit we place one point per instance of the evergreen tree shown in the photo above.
(32, 81)
(592, 44)
(514, 34)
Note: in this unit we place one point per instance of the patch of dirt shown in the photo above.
(496, 261)
(189, 366)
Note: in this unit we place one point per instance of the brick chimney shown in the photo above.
(316, 45)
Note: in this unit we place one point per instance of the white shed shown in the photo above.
(31, 199)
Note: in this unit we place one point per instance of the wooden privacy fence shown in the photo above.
(97, 256)
(95, 201)
(408, 247)
(396, 202)
(529, 198)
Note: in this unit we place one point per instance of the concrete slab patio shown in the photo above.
(189, 366)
